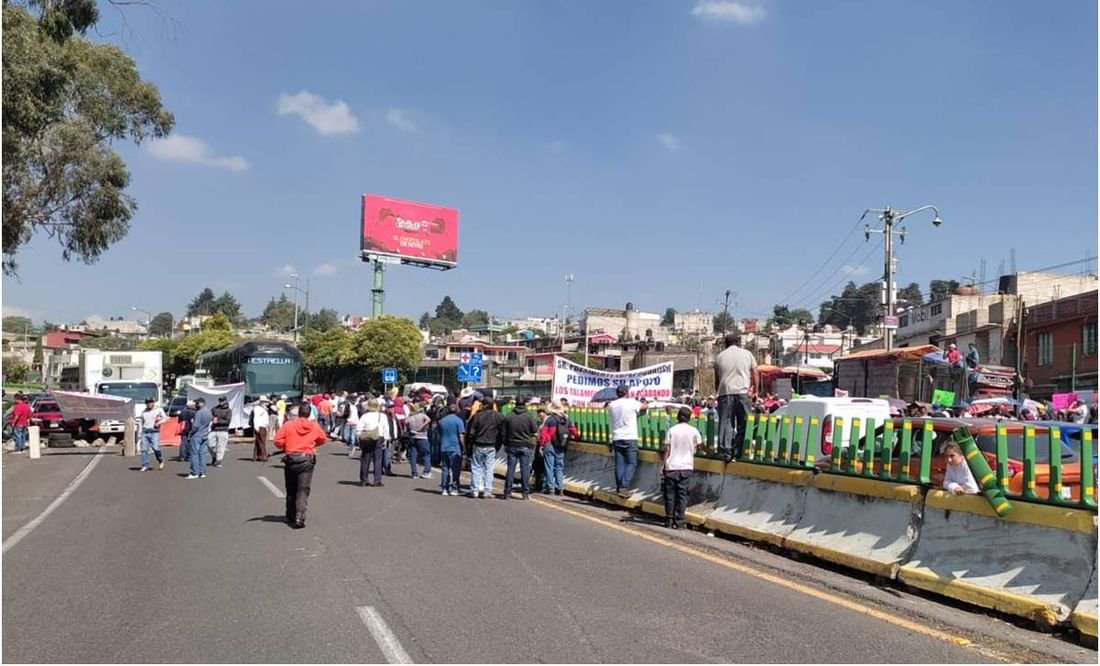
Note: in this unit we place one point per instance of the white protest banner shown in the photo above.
(578, 384)
(234, 393)
(88, 406)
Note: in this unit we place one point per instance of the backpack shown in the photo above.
(373, 431)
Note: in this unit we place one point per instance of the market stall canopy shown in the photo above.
(901, 353)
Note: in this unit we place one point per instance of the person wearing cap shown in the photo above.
(372, 431)
(186, 416)
(261, 421)
(219, 431)
(678, 465)
(151, 419)
(622, 413)
(452, 440)
(280, 410)
(200, 433)
(553, 452)
(299, 440)
(484, 436)
(520, 430)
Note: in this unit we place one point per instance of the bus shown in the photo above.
(267, 367)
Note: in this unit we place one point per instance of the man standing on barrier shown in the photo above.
(299, 440)
(622, 413)
(734, 374)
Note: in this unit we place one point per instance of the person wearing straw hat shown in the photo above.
(261, 422)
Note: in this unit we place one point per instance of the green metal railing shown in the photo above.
(898, 451)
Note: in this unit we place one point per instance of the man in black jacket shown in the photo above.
(484, 435)
(519, 441)
(219, 431)
(186, 416)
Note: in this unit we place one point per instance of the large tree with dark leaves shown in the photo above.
(66, 101)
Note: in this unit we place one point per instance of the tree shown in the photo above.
(447, 315)
(219, 322)
(279, 314)
(227, 305)
(161, 325)
(386, 342)
(16, 373)
(941, 289)
(66, 102)
(50, 327)
(324, 320)
(168, 346)
(425, 321)
(187, 352)
(723, 322)
(39, 356)
(911, 295)
(17, 324)
(107, 343)
(670, 317)
(328, 355)
(475, 318)
(783, 317)
(203, 304)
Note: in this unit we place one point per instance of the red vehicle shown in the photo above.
(46, 414)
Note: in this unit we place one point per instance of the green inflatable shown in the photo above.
(981, 470)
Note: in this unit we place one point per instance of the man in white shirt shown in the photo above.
(349, 426)
(151, 419)
(678, 465)
(261, 422)
(622, 413)
(734, 374)
(372, 431)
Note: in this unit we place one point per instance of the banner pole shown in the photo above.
(377, 293)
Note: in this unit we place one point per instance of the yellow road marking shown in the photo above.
(776, 580)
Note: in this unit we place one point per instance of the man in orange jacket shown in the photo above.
(299, 440)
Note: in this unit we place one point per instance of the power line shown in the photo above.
(828, 291)
(843, 241)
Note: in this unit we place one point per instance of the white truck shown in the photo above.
(127, 374)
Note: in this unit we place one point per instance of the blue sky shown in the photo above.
(662, 152)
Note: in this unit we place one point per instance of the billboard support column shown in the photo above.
(378, 292)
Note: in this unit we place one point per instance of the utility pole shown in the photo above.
(726, 311)
(568, 303)
(889, 218)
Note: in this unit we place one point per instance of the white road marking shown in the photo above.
(391, 647)
(22, 532)
(272, 487)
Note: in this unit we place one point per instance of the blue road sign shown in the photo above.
(389, 376)
(477, 359)
(468, 372)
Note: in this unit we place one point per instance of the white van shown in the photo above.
(826, 409)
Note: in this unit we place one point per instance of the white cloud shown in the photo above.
(327, 118)
(180, 148)
(324, 270)
(16, 311)
(853, 271)
(286, 270)
(669, 141)
(729, 10)
(400, 119)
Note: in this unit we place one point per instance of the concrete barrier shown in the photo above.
(1084, 616)
(864, 524)
(1036, 562)
(760, 502)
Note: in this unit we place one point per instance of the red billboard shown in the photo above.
(414, 232)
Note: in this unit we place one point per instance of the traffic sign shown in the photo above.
(477, 359)
(469, 373)
(890, 321)
(464, 357)
(389, 376)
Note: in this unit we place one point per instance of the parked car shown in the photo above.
(46, 414)
(175, 406)
(829, 409)
(984, 432)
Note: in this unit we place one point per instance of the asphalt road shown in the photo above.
(151, 567)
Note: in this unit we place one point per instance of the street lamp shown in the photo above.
(148, 319)
(297, 291)
(889, 217)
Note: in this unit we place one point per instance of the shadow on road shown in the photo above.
(347, 483)
(269, 518)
